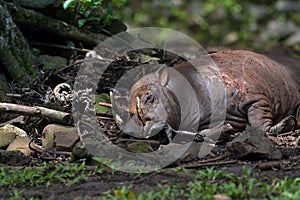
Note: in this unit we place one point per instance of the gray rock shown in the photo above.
(139, 147)
(280, 28)
(221, 197)
(52, 62)
(258, 11)
(8, 133)
(13, 158)
(231, 38)
(218, 14)
(79, 151)
(287, 6)
(62, 137)
(253, 145)
(21, 144)
(293, 39)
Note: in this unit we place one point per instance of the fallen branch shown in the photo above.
(37, 111)
(278, 164)
(209, 161)
(207, 164)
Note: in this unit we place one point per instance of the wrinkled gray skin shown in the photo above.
(258, 92)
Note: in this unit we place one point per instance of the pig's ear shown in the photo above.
(162, 75)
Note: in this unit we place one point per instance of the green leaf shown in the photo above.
(107, 18)
(87, 13)
(109, 11)
(118, 3)
(81, 22)
(104, 98)
(70, 44)
(67, 3)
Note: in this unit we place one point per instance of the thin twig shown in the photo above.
(109, 105)
(105, 118)
(78, 62)
(14, 95)
(289, 133)
(59, 46)
(204, 162)
(208, 164)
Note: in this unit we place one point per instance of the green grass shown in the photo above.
(211, 182)
(67, 174)
(206, 184)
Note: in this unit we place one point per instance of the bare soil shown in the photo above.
(106, 183)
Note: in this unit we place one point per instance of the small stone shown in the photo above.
(287, 6)
(258, 11)
(221, 197)
(52, 62)
(13, 158)
(21, 144)
(139, 147)
(280, 28)
(231, 38)
(178, 153)
(294, 39)
(62, 137)
(253, 145)
(8, 133)
(79, 151)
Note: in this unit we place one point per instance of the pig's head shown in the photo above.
(152, 106)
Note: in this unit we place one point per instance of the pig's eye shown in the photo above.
(148, 99)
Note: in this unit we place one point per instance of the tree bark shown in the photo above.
(15, 53)
(31, 18)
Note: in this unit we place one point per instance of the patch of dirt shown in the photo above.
(106, 183)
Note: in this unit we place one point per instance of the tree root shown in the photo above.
(31, 18)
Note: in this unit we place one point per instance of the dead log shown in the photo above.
(37, 111)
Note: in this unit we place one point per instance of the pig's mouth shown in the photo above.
(150, 126)
(142, 125)
(136, 128)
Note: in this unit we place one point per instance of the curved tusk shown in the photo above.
(140, 110)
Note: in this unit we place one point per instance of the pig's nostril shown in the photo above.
(147, 118)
